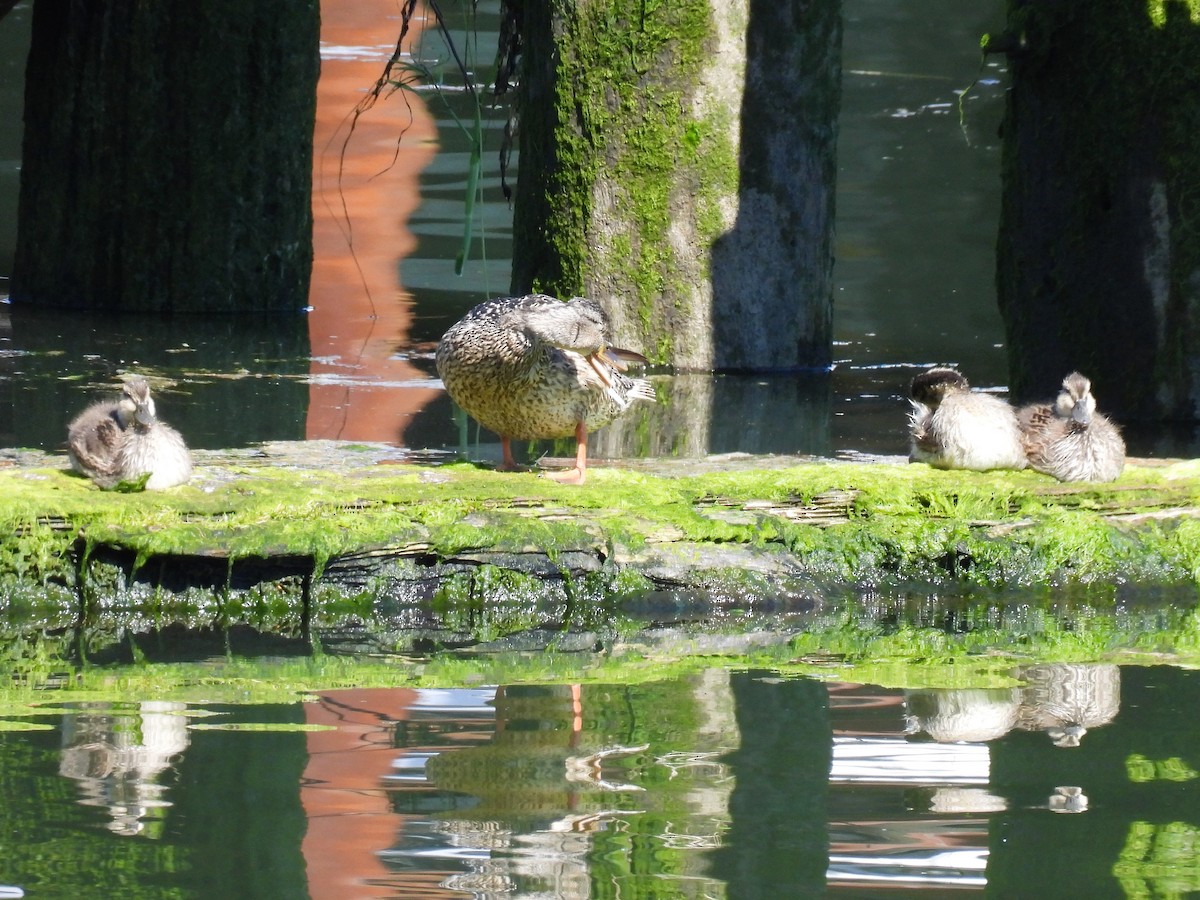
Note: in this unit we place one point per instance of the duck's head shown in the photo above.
(931, 386)
(579, 324)
(135, 403)
(1075, 401)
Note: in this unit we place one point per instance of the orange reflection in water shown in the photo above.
(349, 818)
(360, 311)
(354, 815)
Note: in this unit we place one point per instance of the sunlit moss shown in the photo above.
(899, 525)
(1159, 860)
(1141, 769)
(1157, 11)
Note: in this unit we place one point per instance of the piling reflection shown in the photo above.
(699, 413)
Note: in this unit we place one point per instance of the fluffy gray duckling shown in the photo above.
(121, 440)
(953, 427)
(535, 367)
(1069, 439)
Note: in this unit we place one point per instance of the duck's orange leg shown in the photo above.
(507, 463)
(577, 474)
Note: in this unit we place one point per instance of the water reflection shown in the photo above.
(118, 754)
(223, 382)
(1063, 700)
(719, 784)
(365, 188)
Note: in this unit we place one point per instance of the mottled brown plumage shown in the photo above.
(1069, 439)
(534, 367)
(122, 440)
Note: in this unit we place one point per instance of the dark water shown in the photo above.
(742, 784)
(918, 197)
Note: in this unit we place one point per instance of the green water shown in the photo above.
(723, 783)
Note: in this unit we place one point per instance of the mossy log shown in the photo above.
(677, 163)
(315, 524)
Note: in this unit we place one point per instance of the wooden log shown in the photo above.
(677, 163)
(354, 520)
(1099, 251)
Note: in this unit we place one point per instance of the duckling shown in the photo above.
(953, 427)
(1069, 439)
(535, 367)
(121, 440)
(93, 437)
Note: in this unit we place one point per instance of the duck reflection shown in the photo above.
(117, 753)
(1063, 700)
(541, 793)
(1068, 799)
(555, 775)
(1066, 699)
(949, 716)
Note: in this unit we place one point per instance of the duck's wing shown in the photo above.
(1040, 428)
(1036, 417)
(924, 443)
(610, 365)
(95, 437)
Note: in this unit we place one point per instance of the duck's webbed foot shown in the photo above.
(507, 462)
(579, 473)
(566, 476)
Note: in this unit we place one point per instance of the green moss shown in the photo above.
(903, 525)
(624, 85)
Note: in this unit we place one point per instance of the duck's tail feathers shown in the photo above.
(642, 389)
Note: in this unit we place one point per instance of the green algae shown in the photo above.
(899, 523)
(851, 645)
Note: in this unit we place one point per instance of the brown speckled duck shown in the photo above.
(122, 440)
(953, 427)
(1069, 439)
(535, 367)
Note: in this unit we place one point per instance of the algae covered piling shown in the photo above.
(295, 525)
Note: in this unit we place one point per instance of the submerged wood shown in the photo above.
(328, 522)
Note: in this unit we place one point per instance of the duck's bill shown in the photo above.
(621, 359)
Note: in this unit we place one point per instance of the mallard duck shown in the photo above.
(953, 427)
(1069, 439)
(121, 440)
(535, 367)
